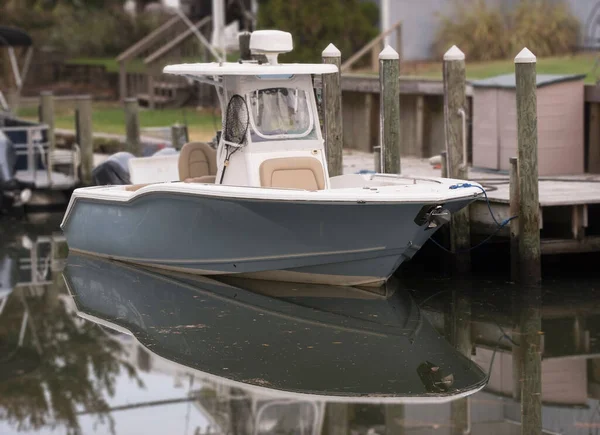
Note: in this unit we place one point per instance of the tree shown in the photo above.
(348, 24)
(71, 368)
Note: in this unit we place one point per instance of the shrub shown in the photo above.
(478, 30)
(484, 32)
(546, 30)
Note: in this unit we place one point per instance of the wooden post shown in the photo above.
(151, 92)
(527, 143)
(389, 97)
(336, 418)
(419, 121)
(179, 136)
(12, 98)
(444, 156)
(514, 224)
(394, 419)
(47, 116)
(530, 326)
(594, 139)
(332, 104)
(132, 126)
(457, 328)
(244, 41)
(377, 158)
(454, 104)
(122, 80)
(85, 137)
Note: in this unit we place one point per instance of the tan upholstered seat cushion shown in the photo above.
(293, 172)
(197, 159)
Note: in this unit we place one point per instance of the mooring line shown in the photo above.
(499, 225)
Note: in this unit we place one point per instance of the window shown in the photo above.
(280, 113)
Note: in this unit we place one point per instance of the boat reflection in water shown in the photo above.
(297, 345)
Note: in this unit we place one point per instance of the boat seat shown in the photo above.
(293, 172)
(197, 160)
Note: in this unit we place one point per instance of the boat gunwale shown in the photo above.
(84, 194)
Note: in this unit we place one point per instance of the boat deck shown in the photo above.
(56, 181)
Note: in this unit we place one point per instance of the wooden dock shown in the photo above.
(569, 205)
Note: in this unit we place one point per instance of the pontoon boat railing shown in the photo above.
(34, 147)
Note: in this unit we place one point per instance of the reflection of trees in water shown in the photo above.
(68, 369)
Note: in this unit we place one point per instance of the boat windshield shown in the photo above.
(280, 113)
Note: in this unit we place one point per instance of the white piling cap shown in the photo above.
(331, 51)
(525, 56)
(454, 53)
(388, 53)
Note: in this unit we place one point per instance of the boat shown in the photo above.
(262, 205)
(302, 341)
(30, 170)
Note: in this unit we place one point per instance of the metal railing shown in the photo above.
(39, 156)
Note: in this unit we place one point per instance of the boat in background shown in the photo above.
(263, 204)
(28, 165)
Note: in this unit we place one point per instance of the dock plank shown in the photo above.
(555, 193)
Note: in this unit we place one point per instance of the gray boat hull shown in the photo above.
(327, 243)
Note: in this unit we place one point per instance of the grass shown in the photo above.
(108, 117)
(110, 63)
(134, 65)
(582, 63)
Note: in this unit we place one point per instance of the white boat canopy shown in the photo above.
(269, 43)
(247, 69)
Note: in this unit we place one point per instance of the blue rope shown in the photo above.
(499, 225)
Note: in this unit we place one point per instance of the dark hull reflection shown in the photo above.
(342, 344)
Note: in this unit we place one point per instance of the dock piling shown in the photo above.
(179, 136)
(132, 126)
(444, 158)
(47, 117)
(332, 111)
(456, 160)
(84, 137)
(389, 97)
(527, 144)
(377, 158)
(514, 224)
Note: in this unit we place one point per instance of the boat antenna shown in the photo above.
(237, 119)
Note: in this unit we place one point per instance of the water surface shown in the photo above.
(93, 347)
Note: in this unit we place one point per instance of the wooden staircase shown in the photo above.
(175, 41)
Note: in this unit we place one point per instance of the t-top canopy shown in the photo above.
(248, 69)
(13, 37)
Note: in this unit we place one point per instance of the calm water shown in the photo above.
(95, 347)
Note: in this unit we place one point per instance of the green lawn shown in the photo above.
(134, 65)
(110, 118)
(575, 64)
(110, 63)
